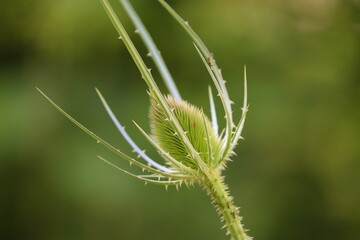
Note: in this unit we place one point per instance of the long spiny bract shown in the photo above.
(228, 132)
(154, 53)
(211, 62)
(244, 109)
(128, 138)
(140, 177)
(106, 144)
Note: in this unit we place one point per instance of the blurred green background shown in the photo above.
(296, 175)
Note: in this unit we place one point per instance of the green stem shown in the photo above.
(225, 206)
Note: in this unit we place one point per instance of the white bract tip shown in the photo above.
(128, 138)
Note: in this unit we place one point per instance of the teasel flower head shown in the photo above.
(193, 149)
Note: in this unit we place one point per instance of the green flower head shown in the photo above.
(196, 126)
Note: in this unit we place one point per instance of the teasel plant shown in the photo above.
(194, 150)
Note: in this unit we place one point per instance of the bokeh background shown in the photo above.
(296, 175)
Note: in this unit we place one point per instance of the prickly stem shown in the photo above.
(224, 205)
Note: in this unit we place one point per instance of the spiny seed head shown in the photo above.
(198, 130)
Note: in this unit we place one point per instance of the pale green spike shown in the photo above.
(244, 109)
(213, 112)
(208, 140)
(202, 47)
(152, 176)
(138, 177)
(187, 28)
(153, 50)
(228, 133)
(128, 138)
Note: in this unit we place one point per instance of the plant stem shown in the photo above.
(224, 204)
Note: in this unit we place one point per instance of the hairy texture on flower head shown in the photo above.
(195, 124)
